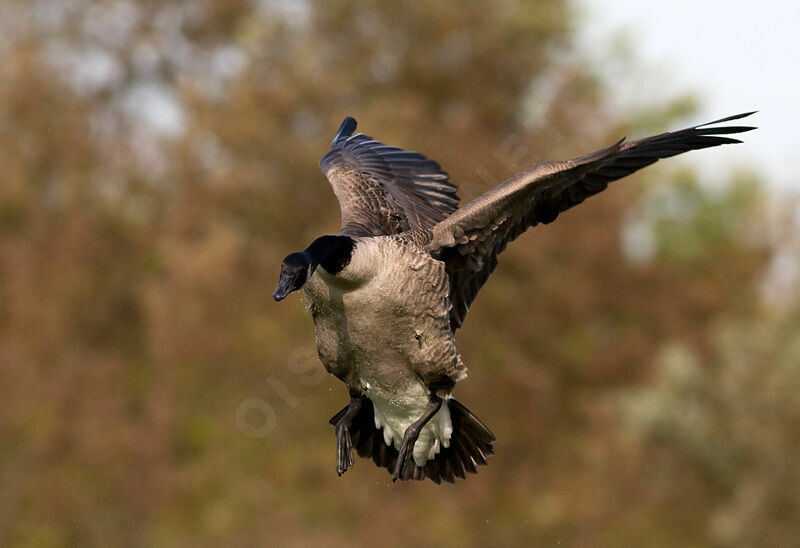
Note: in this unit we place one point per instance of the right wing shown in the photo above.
(385, 190)
(470, 240)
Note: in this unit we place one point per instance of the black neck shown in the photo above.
(333, 253)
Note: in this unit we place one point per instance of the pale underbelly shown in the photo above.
(394, 415)
(384, 372)
(383, 353)
(391, 343)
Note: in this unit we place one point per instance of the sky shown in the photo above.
(736, 55)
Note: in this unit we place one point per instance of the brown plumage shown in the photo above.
(385, 190)
(394, 285)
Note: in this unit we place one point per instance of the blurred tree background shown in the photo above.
(638, 360)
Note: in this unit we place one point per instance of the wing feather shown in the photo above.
(470, 240)
(384, 189)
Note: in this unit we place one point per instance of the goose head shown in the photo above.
(333, 253)
(296, 270)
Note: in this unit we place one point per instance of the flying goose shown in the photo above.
(388, 292)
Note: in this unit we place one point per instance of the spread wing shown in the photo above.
(382, 189)
(470, 240)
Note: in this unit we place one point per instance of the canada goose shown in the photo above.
(388, 292)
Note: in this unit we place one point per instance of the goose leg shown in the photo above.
(410, 437)
(344, 444)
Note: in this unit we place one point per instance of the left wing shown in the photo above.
(385, 190)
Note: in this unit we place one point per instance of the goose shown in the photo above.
(389, 291)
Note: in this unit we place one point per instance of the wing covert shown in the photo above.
(383, 189)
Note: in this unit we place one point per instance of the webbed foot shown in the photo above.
(405, 458)
(344, 443)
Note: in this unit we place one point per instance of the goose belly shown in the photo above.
(390, 342)
(372, 333)
(392, 328)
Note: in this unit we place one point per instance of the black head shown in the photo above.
(296, 269)
(333, 253)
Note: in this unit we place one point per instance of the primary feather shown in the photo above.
(470, 240)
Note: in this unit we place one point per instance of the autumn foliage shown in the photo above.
(638, 360)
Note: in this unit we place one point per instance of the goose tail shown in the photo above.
(471, 444)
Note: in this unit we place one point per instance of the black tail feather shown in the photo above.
(470, 444)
